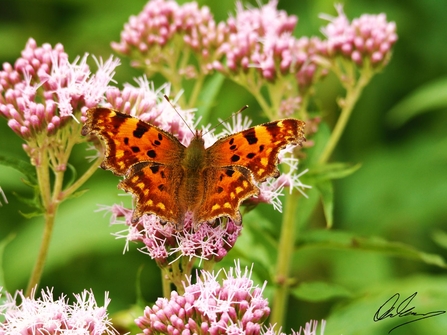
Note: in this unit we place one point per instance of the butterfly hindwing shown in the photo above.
(225, 189)
(155, 188)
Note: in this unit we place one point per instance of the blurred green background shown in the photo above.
(397, 132)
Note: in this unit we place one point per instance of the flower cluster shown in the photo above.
(258, 38)
(164, 244)
(35, 316)
(164, 29)
(208, 307)
(40, 92)
(367, 38)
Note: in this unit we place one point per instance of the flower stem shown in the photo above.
(165, 282)
(43, 251)
(50, 212)
(286, 245)
(353, 93)
(78, 183)
(196, 91)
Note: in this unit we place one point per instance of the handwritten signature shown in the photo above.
(402, 310)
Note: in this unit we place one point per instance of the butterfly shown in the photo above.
(169, 179)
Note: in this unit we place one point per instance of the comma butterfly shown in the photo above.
(169, 179)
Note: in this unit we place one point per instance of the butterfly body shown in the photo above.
(170, 180)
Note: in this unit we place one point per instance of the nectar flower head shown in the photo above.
(235, 306)
(309, 329)
(40, 93)
(164, 244)
(369, 37)
(163, 30)
(258, 38)
(36, 316)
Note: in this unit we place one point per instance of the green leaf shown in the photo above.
(3, 244)
(331, 171)
(440, 237)
(255, 243)
(208, 96)
(31, 214)
(428, 97)
(320, 291)
(319, 139)
(345, 240)
(321, 178)
(77, 194)
(22, 166)
(74, 174)
(326, 189)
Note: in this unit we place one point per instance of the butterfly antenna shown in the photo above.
(172, 105)
(226, 119)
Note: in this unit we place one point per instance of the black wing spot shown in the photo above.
(141, 130)
(161, 187)
(235, 158)
(261, 148)
(157, 143)
(250, 136)
(154, 169)
(231, 141)
(135, 149)
(220, 189)
(162, 174)
(251, 155)
(160, 136)
(126, 140)
(233, 147)
(151, 153)
(229, 173)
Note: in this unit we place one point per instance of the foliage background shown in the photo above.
(399, 194)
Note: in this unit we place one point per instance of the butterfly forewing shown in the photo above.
(257, 148)
(129, 140)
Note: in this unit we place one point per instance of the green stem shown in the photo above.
(50, 210)
(196, 91)
(263, 103)
(165, 282)
(286, 246)
(43, 251)
(78, 183)
(353, 93)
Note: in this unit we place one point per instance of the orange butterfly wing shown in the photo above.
(129, 140)
(148, 157)
(239, 159)
(225, 189)
(257, 148)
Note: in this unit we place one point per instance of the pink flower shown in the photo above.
(369, 37)
(35, 316)
(235, 306)
(258, 38)
(43, 89)
(310, 328)
(164, 244)
(164, 30)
